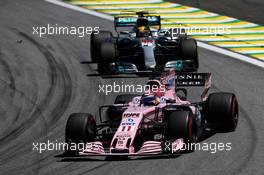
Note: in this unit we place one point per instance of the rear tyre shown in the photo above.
(189, 51)
(95, 43)
(80, 128)
(108, 51)
(223, 110)
(108, 55)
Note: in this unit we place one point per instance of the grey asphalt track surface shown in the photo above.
(42, 82)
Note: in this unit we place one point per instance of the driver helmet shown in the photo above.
(150, 100)
(142, 26)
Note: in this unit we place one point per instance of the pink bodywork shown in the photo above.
(132, 118)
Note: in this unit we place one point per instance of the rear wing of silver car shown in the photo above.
(128, 21)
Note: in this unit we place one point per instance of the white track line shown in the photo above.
(200, 44)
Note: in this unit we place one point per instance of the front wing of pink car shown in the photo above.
(148, 148)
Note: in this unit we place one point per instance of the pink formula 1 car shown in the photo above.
(158, 122)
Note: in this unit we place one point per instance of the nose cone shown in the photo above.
(149, 57)
(120, 145)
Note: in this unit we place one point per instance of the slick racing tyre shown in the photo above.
(107, 58)
(95, 43)
(222, 108)
(189, 51)
(80, 128)
(108, 51)
(181, 124)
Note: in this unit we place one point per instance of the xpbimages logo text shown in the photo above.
(129, 88)
(50, 29)
(198, 30)
(211, 147)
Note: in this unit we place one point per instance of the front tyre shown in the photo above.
(189, 51)
(95, 43)
(80, 128)
(181, 124)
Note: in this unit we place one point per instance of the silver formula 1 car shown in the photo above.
(143, 47)
(160, 121)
